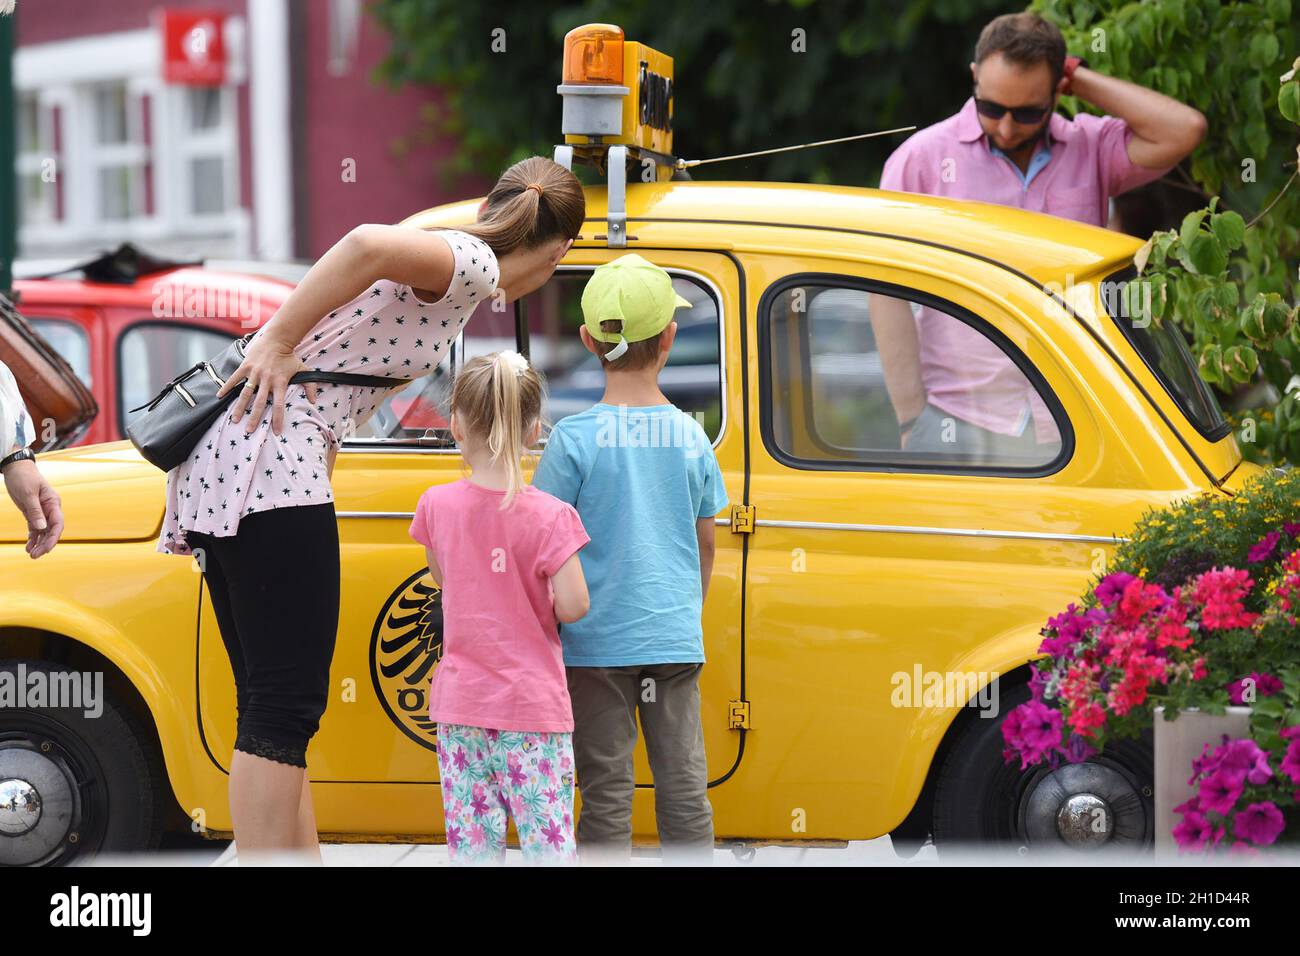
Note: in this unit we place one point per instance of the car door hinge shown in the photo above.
(738, 715)
(742, 519)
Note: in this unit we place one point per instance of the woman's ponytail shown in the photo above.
(535, 200)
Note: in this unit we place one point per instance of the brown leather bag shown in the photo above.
(49, 386)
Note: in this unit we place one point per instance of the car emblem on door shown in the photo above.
(404, 649)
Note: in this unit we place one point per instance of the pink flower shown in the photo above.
(1067, 629)
(1111, 588)
(477, 835)
(1263, 549)
(454, 838)
(1265, 685)
(1220, 790)
(1290, 765)
(554, 835)
(1260, 823)
(1138, 600)
(1244, 757)
(1221, 591)
(517, 776)
(479, 803)
(1085, 719)
(1077, 749)
(1193, 832)
(1032, 730)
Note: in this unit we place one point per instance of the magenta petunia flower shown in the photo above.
(1111, 588)
(1260, 823)
(1220, 790)
(1265, 685)
(1194, 831)
(1077, 749)
(1031, 730)
(1263, 549)
(1292, 529)
(1290, 765)
(1245, 758)
(1037, 683)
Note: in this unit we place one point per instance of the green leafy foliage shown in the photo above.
(742, 84)
(1231, 286)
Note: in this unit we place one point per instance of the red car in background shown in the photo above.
(128, 323)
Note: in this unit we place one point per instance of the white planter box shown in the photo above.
(1177, 743)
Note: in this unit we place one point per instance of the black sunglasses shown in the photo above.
(1025, 115)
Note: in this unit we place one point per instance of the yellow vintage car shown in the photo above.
(875, 601)
(872, 610)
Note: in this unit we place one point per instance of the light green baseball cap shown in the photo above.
(634, 291)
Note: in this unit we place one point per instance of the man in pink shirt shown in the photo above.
(952, 389)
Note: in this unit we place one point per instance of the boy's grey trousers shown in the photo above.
(606, 702)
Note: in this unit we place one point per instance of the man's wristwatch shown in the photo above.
(22, 454)
(1072, 63)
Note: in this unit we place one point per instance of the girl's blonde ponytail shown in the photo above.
(497, 398)
(505, 435)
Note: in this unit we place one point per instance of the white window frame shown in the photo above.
(64, 74)
(32, 162)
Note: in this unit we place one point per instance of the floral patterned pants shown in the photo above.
(489, 774)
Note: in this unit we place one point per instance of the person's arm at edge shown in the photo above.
(894, 327)
(706, 534)
(571, 599)
(1164, 130)
(369, 252)
(891, 319)
(435, 572)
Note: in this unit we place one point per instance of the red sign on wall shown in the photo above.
(193, 51)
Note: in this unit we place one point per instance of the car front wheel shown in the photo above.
(74, 781)
(1103, 803)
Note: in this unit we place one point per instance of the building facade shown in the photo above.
(247, 129)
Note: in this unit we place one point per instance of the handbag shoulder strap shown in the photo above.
(350, 378)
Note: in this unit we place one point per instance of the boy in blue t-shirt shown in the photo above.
(644, 479)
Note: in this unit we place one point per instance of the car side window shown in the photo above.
(149, 354)
(691, 378)
(841, 359)
(420, 410)
(70, 340)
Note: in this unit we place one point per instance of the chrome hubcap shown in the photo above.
(1084, 806)
(20, 806)
(37, 803)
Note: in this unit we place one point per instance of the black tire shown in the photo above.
(980, 800)
(100, 780)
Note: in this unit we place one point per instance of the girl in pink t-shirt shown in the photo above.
(506, 557)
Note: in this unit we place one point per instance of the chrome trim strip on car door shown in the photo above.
(951, 532)
(837, 526)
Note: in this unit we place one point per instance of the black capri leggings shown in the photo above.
(275, 593)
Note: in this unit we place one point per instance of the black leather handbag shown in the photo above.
(187, 405)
